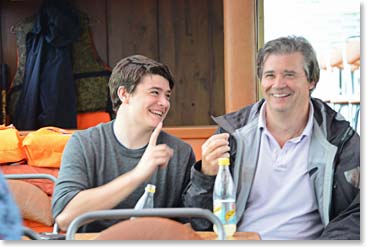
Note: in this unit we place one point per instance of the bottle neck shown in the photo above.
(150, 193)
(223, 167)
(150, 188)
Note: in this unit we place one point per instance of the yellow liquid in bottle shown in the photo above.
(229, 229)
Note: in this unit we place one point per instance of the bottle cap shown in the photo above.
(223, 161)
(150, 188)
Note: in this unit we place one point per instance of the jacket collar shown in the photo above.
(235, 120)
(336, 133)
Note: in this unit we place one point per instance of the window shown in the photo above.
(330, 26)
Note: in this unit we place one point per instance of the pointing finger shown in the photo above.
(155, 134)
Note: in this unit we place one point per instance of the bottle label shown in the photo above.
(225, 211)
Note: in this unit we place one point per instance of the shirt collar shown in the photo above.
(306, 131)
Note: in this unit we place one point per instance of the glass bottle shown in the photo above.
(224, 197)
(147, 199)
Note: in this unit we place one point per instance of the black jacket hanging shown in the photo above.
(48, 96)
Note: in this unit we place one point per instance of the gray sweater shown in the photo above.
(94, 157)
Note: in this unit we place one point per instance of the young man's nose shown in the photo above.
(163, 101)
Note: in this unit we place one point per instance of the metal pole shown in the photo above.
(158, 212)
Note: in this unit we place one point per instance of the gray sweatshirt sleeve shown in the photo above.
(72, 176)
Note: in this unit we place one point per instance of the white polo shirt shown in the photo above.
(282, 203)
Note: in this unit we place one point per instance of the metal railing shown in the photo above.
(35, 176)
(155, 212)
(31, 176)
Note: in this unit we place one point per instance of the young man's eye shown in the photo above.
(168, 96)
(154, 92)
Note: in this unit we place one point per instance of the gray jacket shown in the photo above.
(333, 167)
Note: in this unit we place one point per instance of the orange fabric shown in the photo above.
(89, 119)
(36, 226)
(11, 149)
(44, 184)
(149, 228)
(44, 147)
(33, 203)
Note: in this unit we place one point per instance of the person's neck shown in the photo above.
(284, 127)
(130, 135)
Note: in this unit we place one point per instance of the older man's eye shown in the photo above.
(289, 75)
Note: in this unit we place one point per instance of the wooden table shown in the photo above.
(204, 235)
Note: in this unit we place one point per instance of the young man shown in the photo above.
(108, 166)
(295, 161)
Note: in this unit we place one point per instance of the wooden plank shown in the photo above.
(194, 37)
(1, 33)
(216, 58)
(192, 132)
(193, 135)
(12, 13)
(132, 29)
(186, 35)
(239, 54)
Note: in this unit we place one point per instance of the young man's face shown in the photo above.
(149, 103)
(284, 83)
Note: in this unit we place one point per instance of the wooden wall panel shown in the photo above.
(187, 35)
(12, 13)
(240, 52)
(216, 58)
(1, 33)
(191, 43)
(193, 135)
(132, 29)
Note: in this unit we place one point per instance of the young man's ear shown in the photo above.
(122, 93)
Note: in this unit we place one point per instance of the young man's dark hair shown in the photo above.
(129, 71)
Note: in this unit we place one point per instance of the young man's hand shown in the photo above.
(154, 155)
